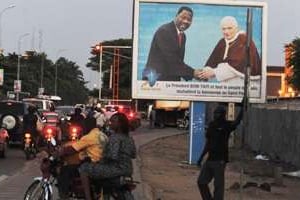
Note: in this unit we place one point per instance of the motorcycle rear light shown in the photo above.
(27, 135)
(27, 140)
(131, 114)
(73, 137)
(49, 131)
(49, 136)
(74, 134)
(74, 130)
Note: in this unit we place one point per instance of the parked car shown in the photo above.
(11, 115)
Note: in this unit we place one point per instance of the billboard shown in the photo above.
(197, 50)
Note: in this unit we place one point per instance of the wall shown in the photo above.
(275, 132)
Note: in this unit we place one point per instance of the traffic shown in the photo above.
(71, 135)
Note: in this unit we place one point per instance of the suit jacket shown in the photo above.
(166, 57)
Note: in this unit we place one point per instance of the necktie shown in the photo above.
(180, 35)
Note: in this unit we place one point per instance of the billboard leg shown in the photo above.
(197, 130)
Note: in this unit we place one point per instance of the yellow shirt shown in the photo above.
(91, 145)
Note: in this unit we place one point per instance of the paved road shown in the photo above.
(14, 161)
(14, 186)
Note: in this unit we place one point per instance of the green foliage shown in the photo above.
(70, 83)
(107, 61)
(294, 62)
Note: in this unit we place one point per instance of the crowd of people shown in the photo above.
(97, 153)
(102, 154)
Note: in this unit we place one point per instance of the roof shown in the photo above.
(49, 97)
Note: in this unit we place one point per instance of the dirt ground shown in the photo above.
(165, 170)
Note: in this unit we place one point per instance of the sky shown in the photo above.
(69, 28)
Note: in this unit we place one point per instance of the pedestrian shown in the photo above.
(100, 117)
(216, 146)
(152, 118)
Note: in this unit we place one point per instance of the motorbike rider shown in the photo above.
(77, 118)
(117, 158)
(89, 147)
(51, 119)
(100, 117)
(29, 123)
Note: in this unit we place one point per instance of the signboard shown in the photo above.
(182, 56)
(1, 76)
(41, 91)
(17, 85)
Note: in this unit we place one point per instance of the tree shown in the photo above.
(71, 85)
(293, 61)
(107, 61)
(70, 82)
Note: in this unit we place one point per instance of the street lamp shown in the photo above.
(1, 13)
(19, 59)
(55, 81)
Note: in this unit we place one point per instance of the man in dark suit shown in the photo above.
(166, 56)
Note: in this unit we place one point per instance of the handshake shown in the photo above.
(204, 74)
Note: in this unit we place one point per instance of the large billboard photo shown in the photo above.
(198, 50)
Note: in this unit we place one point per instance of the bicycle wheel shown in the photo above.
(37, 191)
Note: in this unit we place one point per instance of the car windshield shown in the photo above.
(38, 104)
(66, 109)
(11, 107)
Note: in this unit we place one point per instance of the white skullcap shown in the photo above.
(228, 20)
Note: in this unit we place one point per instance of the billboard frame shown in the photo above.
(192, 90)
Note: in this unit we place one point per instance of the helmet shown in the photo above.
(77, 111)
(31, 109)
(98, 105)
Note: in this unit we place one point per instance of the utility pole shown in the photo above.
(18, 82)
(246, 97)
(1, 13)
(101, 47)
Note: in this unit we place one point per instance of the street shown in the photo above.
(21, 174)
(14, 161)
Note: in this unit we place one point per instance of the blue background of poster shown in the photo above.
(203, 34)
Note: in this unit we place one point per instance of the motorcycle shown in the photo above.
(41, 187)
(49, 132)
(119, 188)
(29, 146)
(3, 141)
(75, 132)
(183, 124)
